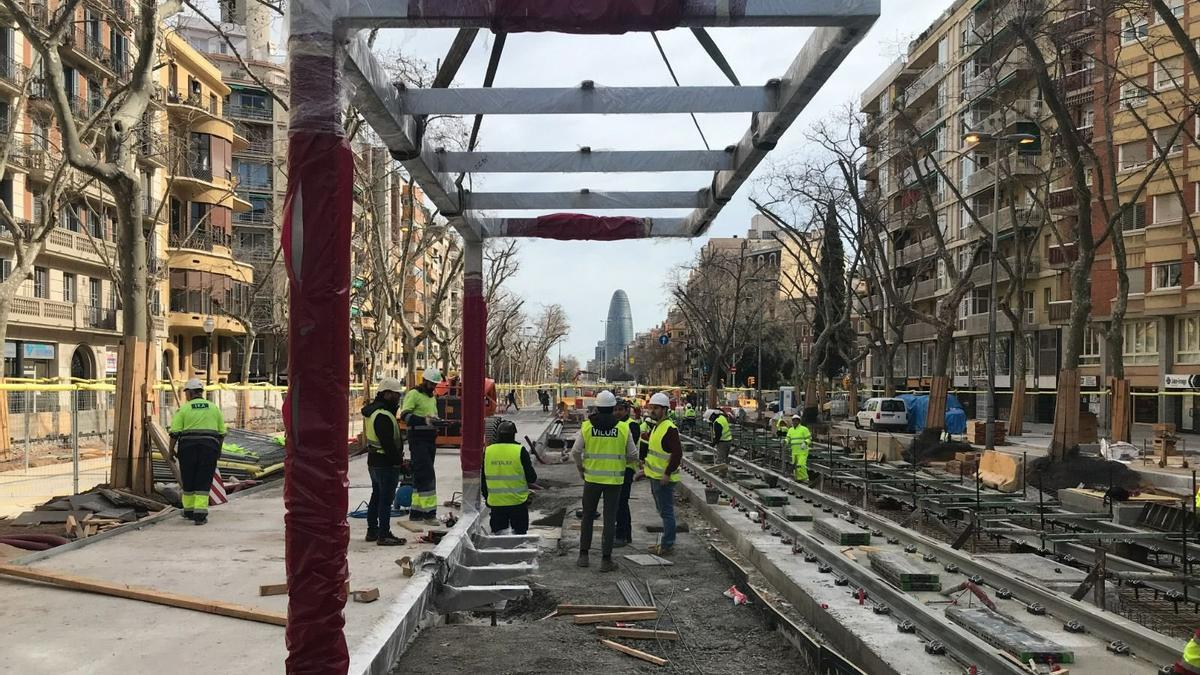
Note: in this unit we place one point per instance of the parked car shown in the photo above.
(882, 413)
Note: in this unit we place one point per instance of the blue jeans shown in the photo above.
(664, 501)
(384, 480)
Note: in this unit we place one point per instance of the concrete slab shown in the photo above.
(1035, 568)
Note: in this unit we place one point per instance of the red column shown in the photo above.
(474, 332)
(316, 248)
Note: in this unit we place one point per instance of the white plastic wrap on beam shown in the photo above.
(614, 161)
(697, 13)
(588, 101)
(583, 200)
(824, 51)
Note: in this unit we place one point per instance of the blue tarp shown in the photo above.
(918, 408)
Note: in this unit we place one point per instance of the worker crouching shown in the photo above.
(602, 450)
(419, 414)
(198, 429)
(507, 474)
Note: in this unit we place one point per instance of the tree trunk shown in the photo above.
(939, 387)
(1016, 412)
(243, 394)
(131, 461)
(714, 379)
(1066, 412)
(852, 394)
(810, 401)
(5, 436)
(1121, 410)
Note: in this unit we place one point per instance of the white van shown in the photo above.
(882, 413)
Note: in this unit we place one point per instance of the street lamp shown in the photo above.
(976, 138)
(209, 326)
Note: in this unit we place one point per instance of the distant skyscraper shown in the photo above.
(620, 325)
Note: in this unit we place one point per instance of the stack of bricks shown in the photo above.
(977, 432)
(964, 463)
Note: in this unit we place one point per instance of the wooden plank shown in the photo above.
(144, 594)
(158, 436)
(139, 458)
(637, 633)
(644, 615)
(635, 653)
(366, 595)
(565, 610)
(273, 589)
(120, 457)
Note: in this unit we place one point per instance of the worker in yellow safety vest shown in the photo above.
(385, 457)
(722, 434)
(1191, 656)
(781, 425)
(664, 454)
(198, 428)
(507, 474)
(689, 417)
(624, 526)
(799, 440)
(420, 415)
(602, 450)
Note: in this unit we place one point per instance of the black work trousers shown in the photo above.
(592, 494)
(197, 464)
(516, 517)
(422, 447)
(624, 531)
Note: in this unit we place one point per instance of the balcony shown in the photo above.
(982, 274)
(1012, 167)
(151, 147)
(921, 290)
(1060, 311)
(925, 82)
(192, 104)
(988, 28)
(258, 150)
(917, 252)
(1026, 216)
(996, 74)
(120, 10)
(152, 209)
(1062, 201)
(12, 74)
(261, 218)
(1061, 257)
(919, 331)
(92, 48)
(1076, 21)
(1021, 110)
(201, 239)
(249, 112)
(1077, 87)
(927, 119)
(100, 318)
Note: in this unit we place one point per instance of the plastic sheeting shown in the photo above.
(918, 410)
(316, 248)
(585, 16)
(576, 226)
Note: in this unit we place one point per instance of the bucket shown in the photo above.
(711, 495)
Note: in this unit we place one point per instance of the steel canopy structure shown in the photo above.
(331, 62)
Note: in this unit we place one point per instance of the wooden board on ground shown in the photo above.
(605, 617)
(144, 594)
(637, 633)
(566, 610)
(657, 527)
(410, 526)
(648, 560)
(637, 654)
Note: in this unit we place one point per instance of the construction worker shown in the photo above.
(419, 414)
(1190, 662)
(624, 527)
(384, 457)
(689, 417)
(198, 429)
(602, 450)
(722, 435)
(781, 425)
(799, 440)
(506, 475)
(663, 457)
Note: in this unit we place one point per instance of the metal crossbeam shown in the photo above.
(589, 101)
(583, 200)
(511, 227)
(696, 13)
(616, 161)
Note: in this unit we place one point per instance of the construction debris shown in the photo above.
(570, 610)
(637, 633)
(641, 615)
(649, 560)
(649, 658)
(365, 595)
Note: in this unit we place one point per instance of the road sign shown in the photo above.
(664, 340)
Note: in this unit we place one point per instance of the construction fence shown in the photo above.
(56, 437)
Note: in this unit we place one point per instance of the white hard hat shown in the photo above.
(433, 375)
(194, 384)
(660, 399)
(390, 384)
(605, 399)
(797, 417)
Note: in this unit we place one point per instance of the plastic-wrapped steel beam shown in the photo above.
(605, 16)
(578, 226)
(583, 200)
(588, 100)
(581, 161)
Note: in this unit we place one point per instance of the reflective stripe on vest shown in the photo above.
(604, 454)
(372, 437)
(658, 459)
(504, 475)
(425, 502)
(636, 436)
(799, 440)
(726, 432)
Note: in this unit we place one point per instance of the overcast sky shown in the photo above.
(581, 276)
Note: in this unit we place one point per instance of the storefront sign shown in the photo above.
(1171, 381)
(110, 362)
(38, 350)
(10, 349)
(1088, 380)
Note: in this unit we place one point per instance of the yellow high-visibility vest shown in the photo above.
(657, 459)
(726, 432)
(369, 430)
(799, 439)
(504, 475)
(604, 454)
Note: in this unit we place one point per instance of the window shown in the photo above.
(1141, 342)
(962, 358)
(1132, 155)
(69, 281)
(1167, 139)
(1091, 346)
(1187, 339)
(979, 358)
(1167, 209)
(1133, 93)
(1167, 275)
(95, 295)
(1133, 29)
(1004, 355)
(1047, 352)
(1134, 217)
(1168, 73)
(41, 282)
(978, 301)
(5, 268)
(1176, 9)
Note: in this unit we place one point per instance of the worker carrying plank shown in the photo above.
(198, 429)
(602, 450)
(419, 414)
(799, 440)
(507, 474)
(385, 457)
(663, 457)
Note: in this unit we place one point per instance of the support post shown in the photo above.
(316, 249)
(474, 332)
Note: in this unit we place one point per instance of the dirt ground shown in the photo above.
(716, 637)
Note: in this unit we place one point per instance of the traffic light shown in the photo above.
(751, 381)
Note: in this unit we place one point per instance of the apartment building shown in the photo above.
(66, 320)
(967, 73)
(259, 168)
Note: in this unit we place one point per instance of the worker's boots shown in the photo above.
(372, 534)
(607, 565)
(200, 518)
(387, 539)
(583, 560)
(189, 514)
